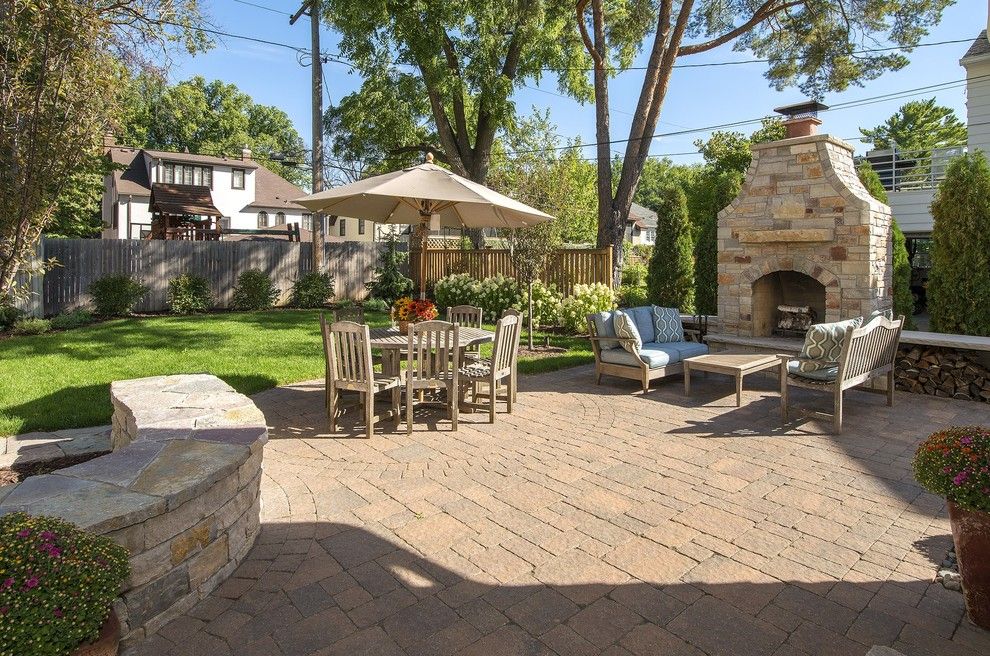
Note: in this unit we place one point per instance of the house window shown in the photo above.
(225, 223)
(262, 219)
(307, 222)
(360, 226)
(343, 225)
(237, 178)
(187, 174)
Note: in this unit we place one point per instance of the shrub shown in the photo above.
(630, 296)
(31, 326)
(116, 295)
(634, 274)
(497, 294)
(670, 282)
(255, 291)
(587, 299)
(642, 251)
(955, 463)
(189, 293)
(389, 283)
(9, 316)
(456, 289)
(373, 304)
(75, 319)
(57, 584)
(546, 304)
(312, 290)
(959, 283)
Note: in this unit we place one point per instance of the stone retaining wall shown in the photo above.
(180, 491)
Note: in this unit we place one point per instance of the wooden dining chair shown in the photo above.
(347, 348)
(515, 349)
(353, 313)
(468, 316)
(496, 369)
(432, 363)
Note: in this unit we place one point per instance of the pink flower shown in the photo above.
(48, 536)
(24, 532)
(960, 477)
(4, 610)
(54, 552)
(946, 470)
(967, 440)
(31, 582)
(58, 613)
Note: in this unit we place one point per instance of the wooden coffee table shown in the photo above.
(733, 364)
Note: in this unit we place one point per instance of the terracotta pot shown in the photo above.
(107, 643)
(404, 327)
(971, 534)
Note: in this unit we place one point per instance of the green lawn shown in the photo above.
(61, 380)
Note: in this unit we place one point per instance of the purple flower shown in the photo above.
(58, 613)
(48, 536)
(967, 440)
(24, 532)
(8, 583)
(31, 582)
(946, 470)
(960, 477)
(54, 552)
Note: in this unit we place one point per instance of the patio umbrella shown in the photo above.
(427, 196)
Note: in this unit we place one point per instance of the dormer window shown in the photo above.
(237, 178)
(187, 174)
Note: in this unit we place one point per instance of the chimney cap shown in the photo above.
(802, 109)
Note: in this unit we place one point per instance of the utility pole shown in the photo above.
(314, 10)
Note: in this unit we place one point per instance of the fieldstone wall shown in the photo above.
(180, 491)
(802, 208)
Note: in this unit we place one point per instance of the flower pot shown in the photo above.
(971, 534)
(404, 327)
(106, 644)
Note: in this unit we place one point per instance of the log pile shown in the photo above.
(944, 372)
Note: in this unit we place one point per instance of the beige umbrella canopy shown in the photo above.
(428, 196)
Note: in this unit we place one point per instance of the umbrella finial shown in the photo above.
(429, 158)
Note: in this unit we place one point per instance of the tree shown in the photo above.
(811, 43)
(531, 252)
(670, 280)
(720, 189)
(64, 63)
(919, 125)
(389, 283)
(78, 213)
(959, 283)
(210, 117)
(901, 278)
(444, 73)
(732, 151)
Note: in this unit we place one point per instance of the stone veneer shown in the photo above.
(180, 490)
(802, 208)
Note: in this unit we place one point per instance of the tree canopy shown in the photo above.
(919, 125)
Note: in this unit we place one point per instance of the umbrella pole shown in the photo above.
(423, 232)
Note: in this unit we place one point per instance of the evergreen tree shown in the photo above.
(721, 188)
(670, 281)
(959, 284)
(389, 283)
(901, 279)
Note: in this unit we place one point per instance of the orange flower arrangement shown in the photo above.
(407, 309)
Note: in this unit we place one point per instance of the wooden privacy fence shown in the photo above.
(155, 262)
(568, 267)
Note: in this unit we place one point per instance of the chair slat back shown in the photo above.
(870, 348)
(433, 349)
(512, 312)
(504, 347)
(353, 313)
(466, 315)
(348, 348)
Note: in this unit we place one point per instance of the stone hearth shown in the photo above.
(802, 231)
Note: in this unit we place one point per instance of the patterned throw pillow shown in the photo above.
(626, 328)
(823, 343)
(667, 322)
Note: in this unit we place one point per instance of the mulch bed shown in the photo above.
(541, 351)
(18, 473)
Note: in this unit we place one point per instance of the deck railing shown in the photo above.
(911, 170)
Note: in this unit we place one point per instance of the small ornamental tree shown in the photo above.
(670, 281)
(531, 252)
(719, 190)
(959, 283)
(389, 284)
(901, 278)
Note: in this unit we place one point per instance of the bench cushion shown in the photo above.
(821, 374)
(655, 355)
(643, 316)
(605, 327)
(667, 325)
(625, 327)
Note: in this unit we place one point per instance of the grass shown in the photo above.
(61, 380)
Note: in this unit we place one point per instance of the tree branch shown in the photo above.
(765, 11)
(438, 152)
(588, 43)
(457, 100)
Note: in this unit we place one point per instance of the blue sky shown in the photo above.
(698, 97)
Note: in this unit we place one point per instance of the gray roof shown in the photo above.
(272, 191)
(980, 47)
(643, 217)
(133, 178)
(194, 158)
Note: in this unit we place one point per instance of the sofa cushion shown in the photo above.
(655, 355)
(684, 350)
(643, 316)
(823, 344)
(667, 325)
(625, 327)
(826, 374)
(605, 327)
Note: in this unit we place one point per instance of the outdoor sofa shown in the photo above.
(655, 349)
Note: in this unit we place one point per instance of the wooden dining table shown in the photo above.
(393, 342)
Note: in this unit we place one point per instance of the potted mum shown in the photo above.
(406, 311)
(955, 463)
(57, 584)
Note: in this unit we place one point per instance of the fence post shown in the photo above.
(608, 270)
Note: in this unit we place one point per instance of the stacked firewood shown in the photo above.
(942, 372)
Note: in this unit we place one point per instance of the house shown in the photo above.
(641, 226)
(241, 192)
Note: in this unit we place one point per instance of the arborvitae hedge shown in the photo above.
(670, 281)
(959, 282)
(720, 189)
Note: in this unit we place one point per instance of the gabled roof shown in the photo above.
(272, 191)
(182, 199)
(980, 47)
(133, 179)
(642, 217)
(194, 158)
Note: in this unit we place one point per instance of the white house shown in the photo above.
(641, 226)
(248, 195)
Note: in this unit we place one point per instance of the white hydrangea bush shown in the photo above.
(574, 311)
(546, 304)
(456, 289)
(497, 294)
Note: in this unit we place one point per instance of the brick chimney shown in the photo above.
(801, 120)
(246, 154)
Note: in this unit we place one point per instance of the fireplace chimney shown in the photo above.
(801, 120)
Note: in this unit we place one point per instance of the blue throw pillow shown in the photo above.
(667, 322)
(626, 328)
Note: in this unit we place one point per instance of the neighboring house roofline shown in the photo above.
(979, 51)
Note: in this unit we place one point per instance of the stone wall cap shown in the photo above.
(797, 141)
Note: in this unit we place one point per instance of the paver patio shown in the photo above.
(594, 520)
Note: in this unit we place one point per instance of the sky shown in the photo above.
(698, 97)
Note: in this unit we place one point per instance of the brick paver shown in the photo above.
(593, 520)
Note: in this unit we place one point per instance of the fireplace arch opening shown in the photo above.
(785, 288)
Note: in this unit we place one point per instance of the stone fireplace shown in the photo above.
(803, 232)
